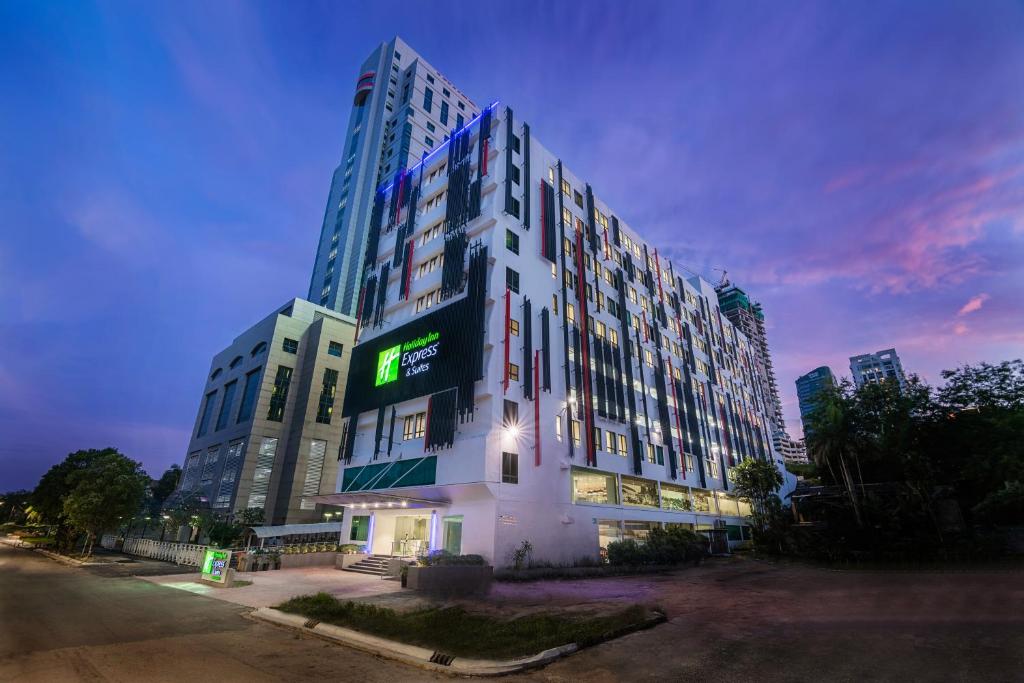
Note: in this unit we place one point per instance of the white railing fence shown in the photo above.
(108, 541)
(179, 553)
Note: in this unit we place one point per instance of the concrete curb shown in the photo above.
(412, 654)
(70, 561)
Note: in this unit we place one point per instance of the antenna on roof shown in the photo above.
(724, 282)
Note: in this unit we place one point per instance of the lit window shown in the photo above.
(513, 327)
(513, 372)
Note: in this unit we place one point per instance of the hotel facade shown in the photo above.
(528, 368)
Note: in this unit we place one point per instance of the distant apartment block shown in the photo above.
(268, 426)
(791, 450)
(871, 368)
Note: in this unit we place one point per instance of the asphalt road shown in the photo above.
(60, 623)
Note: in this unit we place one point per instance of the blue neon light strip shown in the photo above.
(443, 145)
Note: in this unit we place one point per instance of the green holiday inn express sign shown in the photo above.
(215, 565)
(408, 358)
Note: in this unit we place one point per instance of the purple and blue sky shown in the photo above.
(858, 167)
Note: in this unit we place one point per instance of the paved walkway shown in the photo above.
(271, 588)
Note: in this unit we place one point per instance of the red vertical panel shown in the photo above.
(408, 274)
(657, 266)
(484, 162)
(536, 408)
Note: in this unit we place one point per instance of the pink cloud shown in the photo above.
(975, 304)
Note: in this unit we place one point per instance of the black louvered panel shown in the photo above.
(602, 409)
(382, 295)
(643, 381)
(369, 299)
(591, 221)
(663, 417)
(477, 296)
(454, 262)
(379, 433)
(526, 182)
(527, 330)
(560, 241)
(396, 190)
(620, 389)
(662, 317)
(441, 413)
(545, 353)
(458, 206)
(616, 237)
(548, 225)
(692, 421)
(348, 439)
(391, 431)
(403, 285)
(509, 134)
(627, 262)
(577, 366)
(373, 235)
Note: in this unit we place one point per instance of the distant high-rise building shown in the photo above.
(791, 450)
(871, 368)
(749, 318)
(807, 388)
(402, 109)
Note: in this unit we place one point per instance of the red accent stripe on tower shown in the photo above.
(644, 315)
(508, 316)
(536, 408)
(485, 157)
(657, 265)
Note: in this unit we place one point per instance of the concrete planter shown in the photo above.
(296, 560)
(348, 559)
(451, 580)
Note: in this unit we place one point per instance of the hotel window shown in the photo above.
(675, 498)
(515, 143)
(252, 385)
(571, 313)
(225, 405)
(509, 468)
(566, 218)
(622, 445)
(574, 429)
(514, 207)
(701, 500)
(558, 428)
(334, 349)
(279, 396)
(655, 454)
(458, 119)
(610, 442)
(554, 304)
(328, 388)
(204, 422)
(566, 188)
(428, 141)
(360, 528)
(428, 99)
(515, 175)
(512, 280)
(444, 113)
(648, 357)
(578, 198)
(639, 492)
(509, 413)
(289, 345)
(513, 327)
(594, 487)
(511, 241)
(414, 426)
(513, 372)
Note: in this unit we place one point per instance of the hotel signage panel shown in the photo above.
(428, 354)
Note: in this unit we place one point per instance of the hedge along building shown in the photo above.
(528, 368)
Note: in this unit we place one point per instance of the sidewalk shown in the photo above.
(271, 588)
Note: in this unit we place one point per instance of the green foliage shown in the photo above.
(1005, 506)
(162, 488)
(521, 555)
(911, 464)
(674, 545)
(440, 558)
(15, 506)
(250, 517)
(457, 632)
(223, 533)
(108, 490)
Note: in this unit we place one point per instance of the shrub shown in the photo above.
(350, 548)
(442, 558)
(662, 547)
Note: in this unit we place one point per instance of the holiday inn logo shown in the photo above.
(387, 365)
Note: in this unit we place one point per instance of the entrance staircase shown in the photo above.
(372, 564)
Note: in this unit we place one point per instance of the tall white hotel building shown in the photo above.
(529, 368)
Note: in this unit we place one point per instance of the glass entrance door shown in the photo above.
(411, 536)
(451, 534)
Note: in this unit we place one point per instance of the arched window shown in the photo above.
(258, 349)
(216, 373)
(235, 362)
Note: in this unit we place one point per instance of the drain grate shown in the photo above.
(310, 623)
(441, 658)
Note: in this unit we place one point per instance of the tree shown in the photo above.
(110, 489)
(162, 488)
(757, 482)
(250, 517)
(15, 506)
(831, 440)
(53, 489)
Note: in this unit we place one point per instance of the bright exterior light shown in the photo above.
(404, 503)
(513, 431)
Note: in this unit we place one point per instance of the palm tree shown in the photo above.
(832, 442)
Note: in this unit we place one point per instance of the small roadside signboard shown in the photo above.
(215, 565)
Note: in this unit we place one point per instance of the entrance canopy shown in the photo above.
(408, 497)
(295, 529)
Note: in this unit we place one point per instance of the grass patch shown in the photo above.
(456, 632)
(240, 584)
(38, 540)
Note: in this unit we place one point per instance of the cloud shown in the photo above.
(975, 304)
